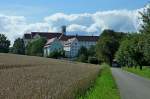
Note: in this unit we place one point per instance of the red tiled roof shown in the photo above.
(50, 35)
(51, 40)
(47, 35)
(27, 36)
(80, 38)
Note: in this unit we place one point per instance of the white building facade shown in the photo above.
(52, 45)
(60, 41)
(72, 46)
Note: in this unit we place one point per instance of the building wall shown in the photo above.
(72, 50)
(55, 46)
(87, 44)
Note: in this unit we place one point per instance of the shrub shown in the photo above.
(93, 60)
(57, 54)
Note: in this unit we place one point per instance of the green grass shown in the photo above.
(104, 87)
(144, 73)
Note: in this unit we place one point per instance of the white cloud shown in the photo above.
(74, 27)
(118, 20)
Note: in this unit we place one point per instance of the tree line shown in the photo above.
(128, 49)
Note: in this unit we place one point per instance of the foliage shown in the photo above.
(57, 54)
(131, 52)
(87, 55)
(104, 87)
(92, 51)
(93, 60)
(107, 45)
(145, 18)
(35, 47)
(4, 44)
(146, 48)
(83, 51)
(83, 54)
(82, 58)
(134, 51)
(19, 47)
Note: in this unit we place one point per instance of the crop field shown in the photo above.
(29, 77)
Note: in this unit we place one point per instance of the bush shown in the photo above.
(57, 54)
(35, 47)
(93, 60)
(82, 58)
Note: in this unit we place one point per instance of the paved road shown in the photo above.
(131, 86)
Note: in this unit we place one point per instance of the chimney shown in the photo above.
(63, 30)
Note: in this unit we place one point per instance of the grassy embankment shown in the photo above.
(144, 73)
(104, 87)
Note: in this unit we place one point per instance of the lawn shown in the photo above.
(104, 87)
(145, 72)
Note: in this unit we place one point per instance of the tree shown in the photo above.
(107, 45)
(93, 60)
(57, 54)
(4, 44)
(18, 46)
(92, 51)
(83, 54)
(146, 49)
(82, 58)
(35, 47)
(130, 52)
(145, 18)
(83, 51)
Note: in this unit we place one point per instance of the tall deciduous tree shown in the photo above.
(4, 44)
(19, 47)
(35, 47)
(145, 17)
(131, 51)
(83, 54)
(107, 45)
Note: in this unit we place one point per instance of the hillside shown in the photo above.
(29, 77)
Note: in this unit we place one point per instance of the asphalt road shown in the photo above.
(130, 85)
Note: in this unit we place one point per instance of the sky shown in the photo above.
(35, 10)
(92, 16)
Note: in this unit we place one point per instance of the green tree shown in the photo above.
(130, 52)
(146, 49)
(18, 46)
(145, 30)
(82, 58)
(57, 54)
(83, 51)
(4, 44)
(107, 45)
(83, 54)
(145, 17)
(35, 47)
(92, 51)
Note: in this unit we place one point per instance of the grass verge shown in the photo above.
(144, 73)
(104, 87)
